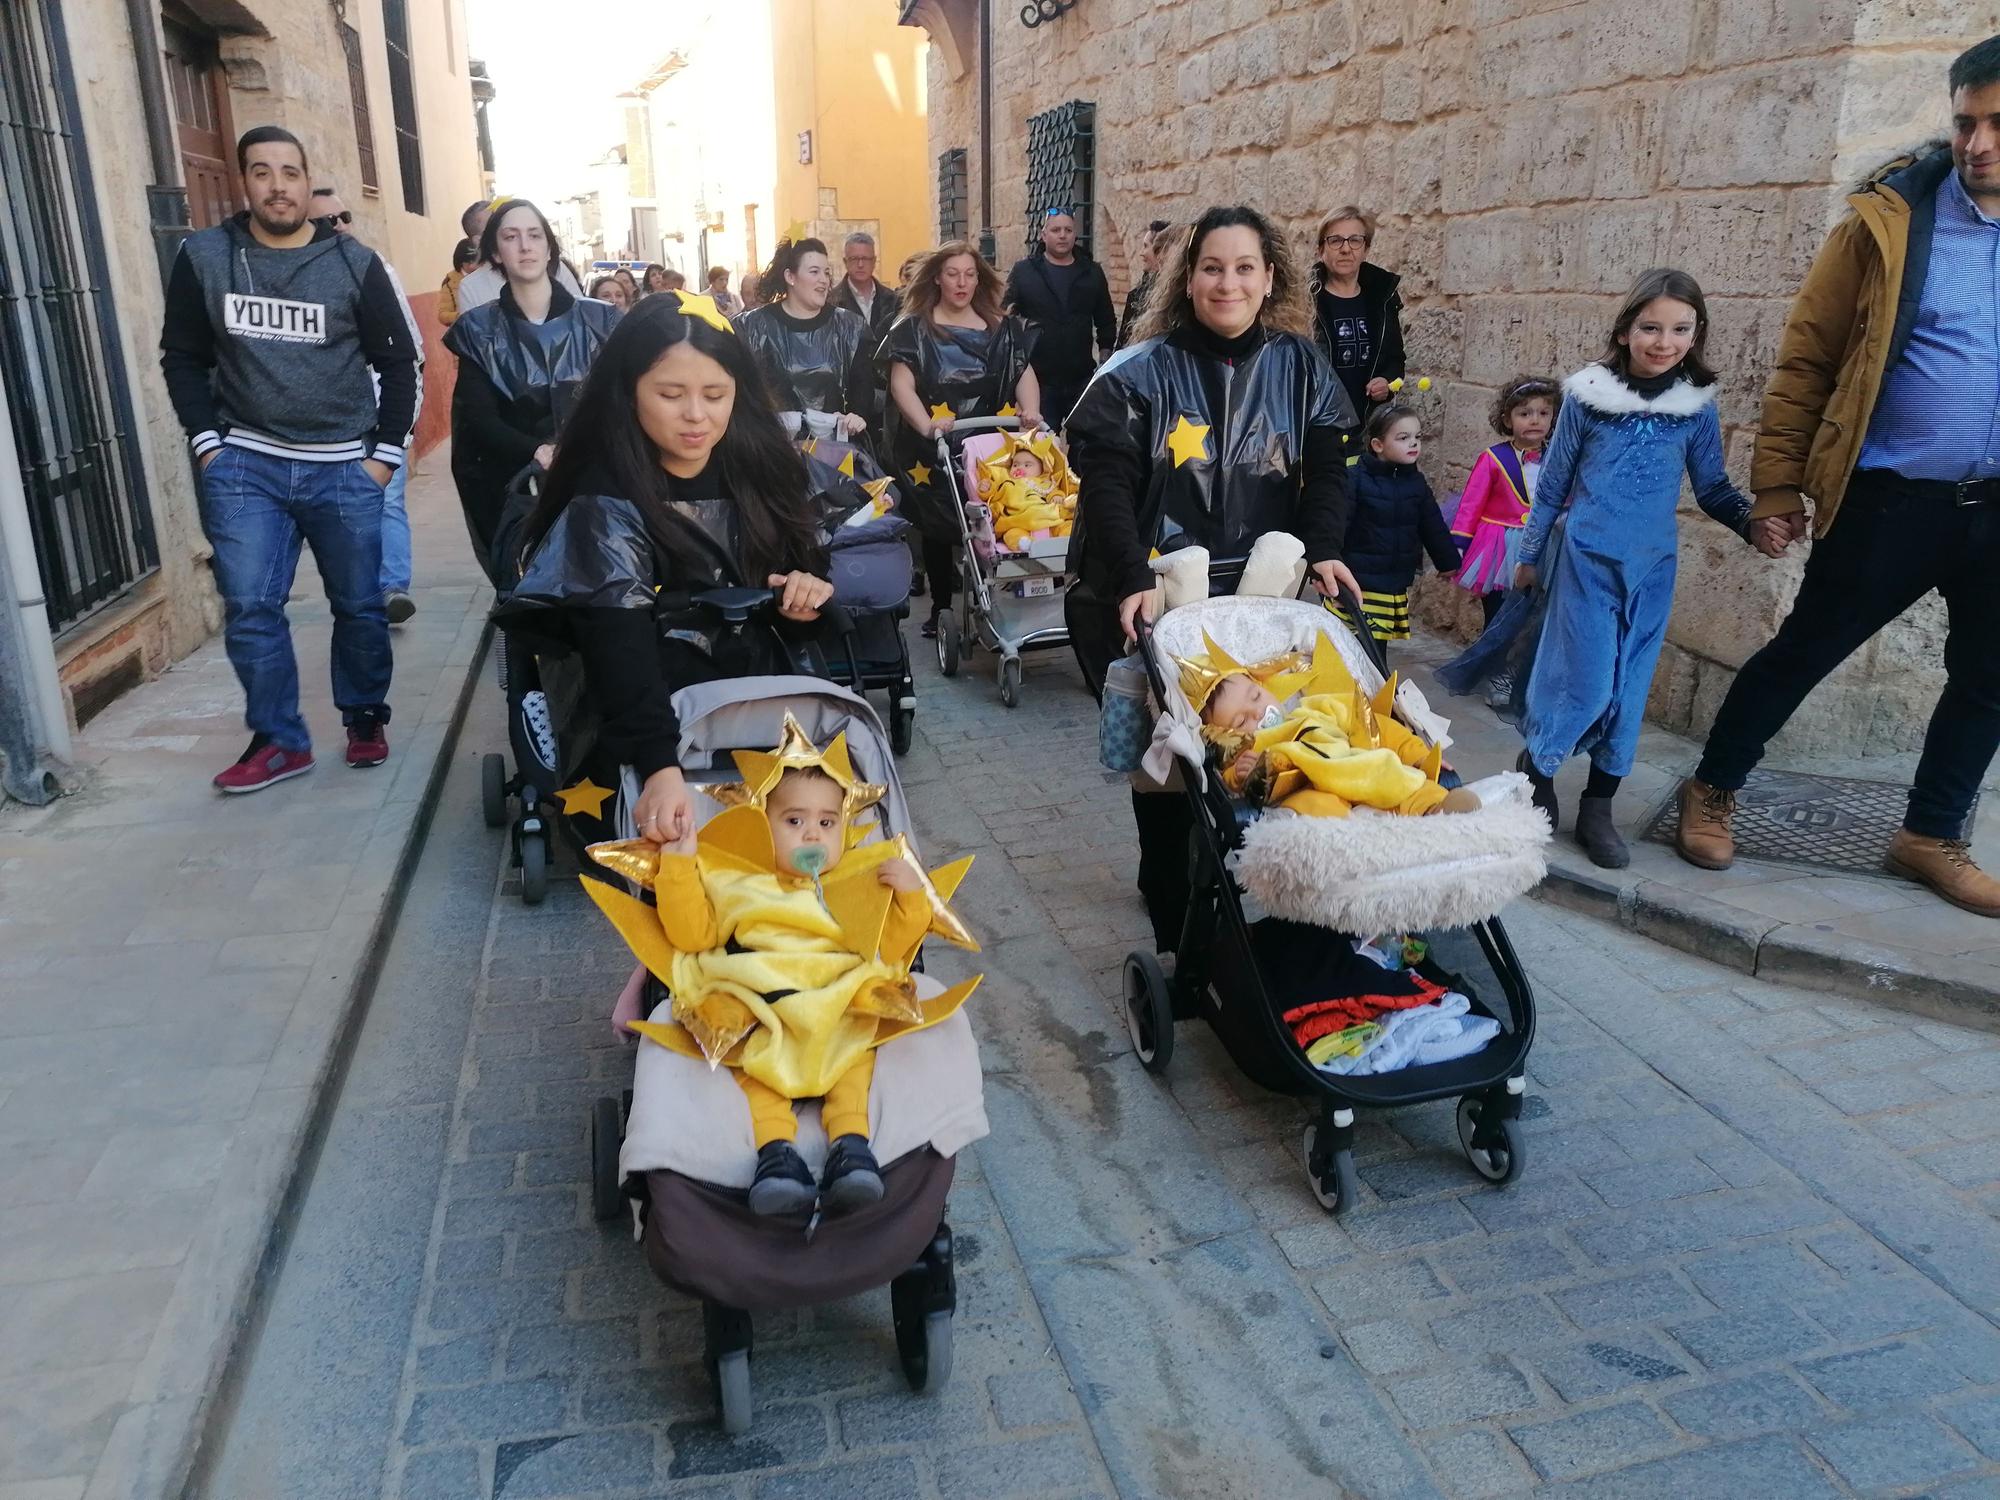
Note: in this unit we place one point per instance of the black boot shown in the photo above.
(783, 1184)
(852, 1179)
(1545, 790)
(1599, 835)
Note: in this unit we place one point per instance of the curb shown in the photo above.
(1783, 952)
(155, 1470)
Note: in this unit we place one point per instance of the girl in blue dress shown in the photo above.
(1632, 423)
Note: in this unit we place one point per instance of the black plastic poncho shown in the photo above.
(1217, 452)
(812, 364)
(972, 372)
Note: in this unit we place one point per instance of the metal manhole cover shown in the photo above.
(1823, 822)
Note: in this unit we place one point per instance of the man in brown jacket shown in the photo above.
(1884, 409)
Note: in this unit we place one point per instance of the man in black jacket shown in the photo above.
(860, 293)
(273, 323)
(1064, 294)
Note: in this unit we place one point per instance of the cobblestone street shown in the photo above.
(1753, 1251)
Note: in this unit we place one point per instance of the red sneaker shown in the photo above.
(367, 744)
(263, 764)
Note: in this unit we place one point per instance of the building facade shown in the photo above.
(117, 137)
(783, 117)
(1527, 159)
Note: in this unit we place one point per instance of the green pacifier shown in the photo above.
(809, 859)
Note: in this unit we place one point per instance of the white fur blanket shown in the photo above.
(692, 1119)
(1378, 872)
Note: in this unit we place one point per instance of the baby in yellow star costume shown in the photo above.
(785, 943)
(1028, 486)
(1298, 734)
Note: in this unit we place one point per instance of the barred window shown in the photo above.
(403, 102)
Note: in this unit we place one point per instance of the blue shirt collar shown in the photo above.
(1959, 202)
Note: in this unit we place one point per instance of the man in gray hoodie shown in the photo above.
(273, 323)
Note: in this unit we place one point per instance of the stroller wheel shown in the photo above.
(493, 790)
(1493, 1146)
(923, 1339)
(950, 643)
(1010, 680)
(902, 730)
(732, 1391)
(534, 868)
(605, 1133)
(1334, 1184)
(1149, 1013)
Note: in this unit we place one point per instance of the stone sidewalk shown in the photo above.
(178, 971)
(1874, 936)
(1752, 1253)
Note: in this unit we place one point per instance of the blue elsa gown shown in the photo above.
(1614, 468)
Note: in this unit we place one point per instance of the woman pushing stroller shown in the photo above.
(1223, 423)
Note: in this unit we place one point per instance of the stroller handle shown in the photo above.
(961, 426)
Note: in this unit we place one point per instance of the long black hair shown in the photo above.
(603, 449)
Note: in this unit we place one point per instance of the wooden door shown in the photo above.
(200, 95)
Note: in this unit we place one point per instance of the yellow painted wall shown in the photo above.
(856, 79)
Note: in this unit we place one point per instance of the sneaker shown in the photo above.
(1500, 691)
(1946, 866)
(853, 1178)
(367, 743)
(783, 1184)
(399, 605)
(930, 627)
(263, 764)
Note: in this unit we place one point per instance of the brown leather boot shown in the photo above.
(1945, 865)
(1704, 838)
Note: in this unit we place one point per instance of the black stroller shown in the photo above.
(869, 550)
(1226, 966)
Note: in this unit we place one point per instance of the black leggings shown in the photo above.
(941, 571)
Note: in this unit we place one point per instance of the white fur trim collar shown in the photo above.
(1601, 390)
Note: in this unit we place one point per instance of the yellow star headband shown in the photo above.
(694, 305)
(1202, 675)
(762, 770)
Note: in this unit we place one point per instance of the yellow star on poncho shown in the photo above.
(1009, 410)
(700, 305)
(878, 491)
(847, 464)
(920, 475)
(1188, 440)
(586, 797)
(942, 413)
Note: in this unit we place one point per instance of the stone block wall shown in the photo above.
(1527, 159)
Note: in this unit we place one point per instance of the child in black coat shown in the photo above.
(1396, 521)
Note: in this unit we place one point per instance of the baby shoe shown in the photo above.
(853, 1179)
(783, 1184)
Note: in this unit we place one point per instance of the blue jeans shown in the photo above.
(258, 511)
(396, 534)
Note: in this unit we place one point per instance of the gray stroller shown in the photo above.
(679, 1155)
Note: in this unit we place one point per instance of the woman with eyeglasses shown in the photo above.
(1357, 311)
(519, 358)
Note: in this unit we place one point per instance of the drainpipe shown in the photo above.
(987, 244)
(166, 197)
(34, 724)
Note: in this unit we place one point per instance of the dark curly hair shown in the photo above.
(1518, 392)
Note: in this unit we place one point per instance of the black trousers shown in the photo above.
(1166, 830)
(1888, 547)
(941, 571)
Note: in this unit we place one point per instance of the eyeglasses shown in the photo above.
(1345, 241)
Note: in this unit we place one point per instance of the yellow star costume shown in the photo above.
(1334, 750)
(1045, 503)
(791, 983)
